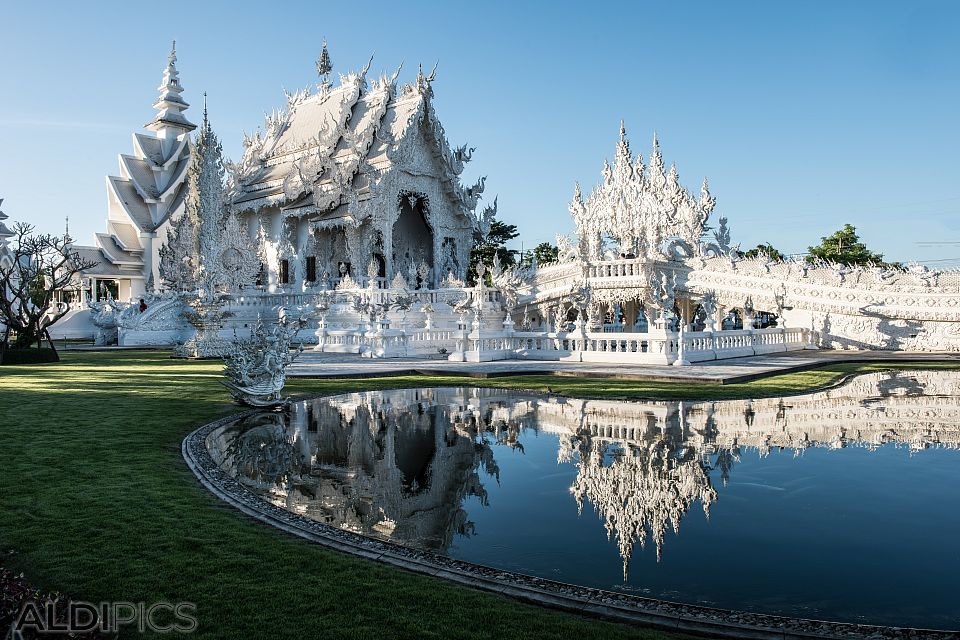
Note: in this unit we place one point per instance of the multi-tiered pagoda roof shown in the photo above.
(151, 188)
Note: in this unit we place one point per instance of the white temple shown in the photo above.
(141, 202)
(353, 174)
(349, 208)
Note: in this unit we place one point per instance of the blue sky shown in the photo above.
(804, 116)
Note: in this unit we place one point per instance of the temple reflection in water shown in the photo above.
(400, 465)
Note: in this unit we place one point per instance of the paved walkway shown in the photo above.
(334, 365)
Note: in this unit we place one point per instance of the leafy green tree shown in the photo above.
(545, 253)
(764, 249)
(844, 247)
(494, 244)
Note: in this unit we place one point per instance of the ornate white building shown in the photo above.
(141, 202)
(355, 173)
(349, 207)
(646, 256)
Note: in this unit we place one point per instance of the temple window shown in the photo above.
(284, 272)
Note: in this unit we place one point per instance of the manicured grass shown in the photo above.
(97, 502)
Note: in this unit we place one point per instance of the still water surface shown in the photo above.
(841, 505)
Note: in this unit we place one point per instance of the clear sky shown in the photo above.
(804, 115)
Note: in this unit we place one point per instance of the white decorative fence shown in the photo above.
(655, 348)
(486, 345)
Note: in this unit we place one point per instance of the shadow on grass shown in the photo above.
(97, 503)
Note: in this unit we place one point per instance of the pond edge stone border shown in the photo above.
(619, 607)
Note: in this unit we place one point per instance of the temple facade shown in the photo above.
(357, 179)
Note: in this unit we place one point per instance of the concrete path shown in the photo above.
(334, 365)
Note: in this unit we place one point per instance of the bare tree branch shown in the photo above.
(41, 266)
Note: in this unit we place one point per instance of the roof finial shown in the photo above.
(324, 65)
(67, 239)
(170, 105)
(423, 83)
(206, 120)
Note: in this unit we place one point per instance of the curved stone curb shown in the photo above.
(620, 607)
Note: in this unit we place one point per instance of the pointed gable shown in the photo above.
(326, 141)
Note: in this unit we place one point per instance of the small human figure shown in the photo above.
(143, 305)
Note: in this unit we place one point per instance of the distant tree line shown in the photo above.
(843, 247)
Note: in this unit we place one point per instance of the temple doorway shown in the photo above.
(412, 238)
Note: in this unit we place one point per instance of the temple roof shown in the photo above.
(325, 138)
(148, 146)
(152, 181)
(170, 105)
(125, 235)
(133, 205)
(115, 253)
(104, 267)
(141, 175)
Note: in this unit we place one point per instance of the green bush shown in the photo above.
(28, 356)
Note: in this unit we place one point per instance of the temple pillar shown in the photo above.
(685, 305)
(437, 262)
(268, 222)
(303, 244)
(388, 266)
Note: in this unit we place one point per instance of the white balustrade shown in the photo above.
(639, 348)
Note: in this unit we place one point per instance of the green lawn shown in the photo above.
(96, 502)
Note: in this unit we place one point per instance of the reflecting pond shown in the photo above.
(841, 505)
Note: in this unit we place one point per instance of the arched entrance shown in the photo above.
(412, 237)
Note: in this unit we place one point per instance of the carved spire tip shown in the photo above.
(324, 64)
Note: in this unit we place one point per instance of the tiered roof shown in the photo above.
(151, 187)
(329, 144)
(170, 106)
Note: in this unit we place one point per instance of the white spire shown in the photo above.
(170, 106)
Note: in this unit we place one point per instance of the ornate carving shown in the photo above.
(639, 207)
(255, 367)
